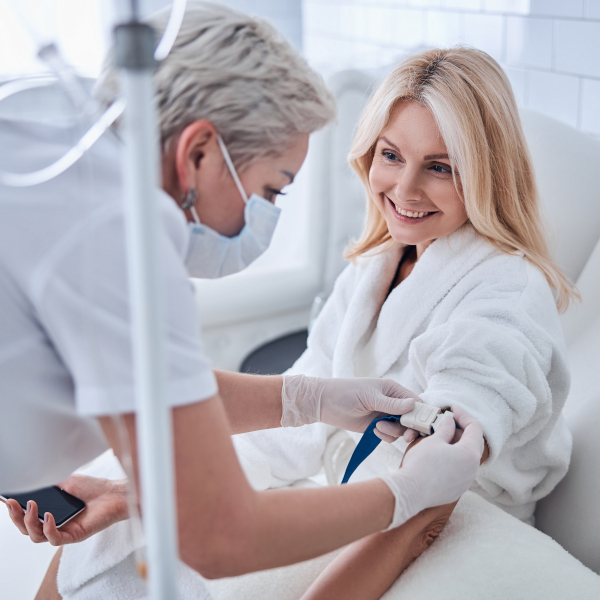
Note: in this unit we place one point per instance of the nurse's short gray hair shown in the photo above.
(237, 72)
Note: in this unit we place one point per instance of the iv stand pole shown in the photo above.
(134, 48)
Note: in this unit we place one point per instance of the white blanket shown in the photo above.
(481, 553)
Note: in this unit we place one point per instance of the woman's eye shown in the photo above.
(273, 193)
(389, 155)
(442, 169)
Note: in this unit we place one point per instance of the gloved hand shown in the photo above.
(436, 471)
(390, 431)
(347, 403)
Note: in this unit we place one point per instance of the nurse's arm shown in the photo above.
(251, 402)
(226, 528)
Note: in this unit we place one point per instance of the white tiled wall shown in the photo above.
(550, 49)
(286, 15)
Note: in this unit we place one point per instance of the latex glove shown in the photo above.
(105, 504)
(390, 431)
(436, 471)
(347, 403)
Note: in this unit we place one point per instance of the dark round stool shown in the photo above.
(277, 356)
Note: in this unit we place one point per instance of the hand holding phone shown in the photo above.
(54, 500)
(105, 504)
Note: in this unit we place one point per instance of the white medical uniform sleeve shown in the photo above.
(81, 294)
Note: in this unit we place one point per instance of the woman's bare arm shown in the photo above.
(368, 567)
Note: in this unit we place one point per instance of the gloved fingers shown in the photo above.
(394, 390)
(472, 436)
(385, 405)
(446, 429)
(395, 399)
(391, 428)
(410, 435)
(383, 436)
(457, 435)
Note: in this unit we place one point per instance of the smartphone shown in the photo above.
(61, 504)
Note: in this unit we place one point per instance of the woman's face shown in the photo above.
(199, 164)
(411, 177)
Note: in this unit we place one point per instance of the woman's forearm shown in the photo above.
(368, 567)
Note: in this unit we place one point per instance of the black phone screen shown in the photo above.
(61, 504)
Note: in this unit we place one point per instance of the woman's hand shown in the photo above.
(105, 504)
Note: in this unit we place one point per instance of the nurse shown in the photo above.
(237, 105)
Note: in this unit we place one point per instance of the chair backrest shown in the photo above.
(571, 513)
(571, 198)
(563, 158)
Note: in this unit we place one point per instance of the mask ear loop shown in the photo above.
(231, 168)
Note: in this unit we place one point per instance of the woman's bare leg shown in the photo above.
(49, 589)
(368, 567)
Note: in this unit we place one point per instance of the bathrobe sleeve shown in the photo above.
(501, 356)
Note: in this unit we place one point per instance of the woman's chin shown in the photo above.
(409, 238)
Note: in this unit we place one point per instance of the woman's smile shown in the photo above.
(410, 216)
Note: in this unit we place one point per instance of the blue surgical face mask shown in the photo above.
(211, 255)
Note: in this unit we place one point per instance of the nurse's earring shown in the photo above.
(188, 200)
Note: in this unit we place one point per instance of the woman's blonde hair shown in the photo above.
(474, 107)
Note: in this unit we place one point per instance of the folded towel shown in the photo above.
(104, 565)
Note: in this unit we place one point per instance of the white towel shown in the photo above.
(481, 553)
(104, 567)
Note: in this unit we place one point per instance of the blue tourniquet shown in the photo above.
(368, 442)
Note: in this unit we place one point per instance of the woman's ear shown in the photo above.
(192, 146)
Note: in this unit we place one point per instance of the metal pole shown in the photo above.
(134, 47)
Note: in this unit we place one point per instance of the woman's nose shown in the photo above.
(408, 185)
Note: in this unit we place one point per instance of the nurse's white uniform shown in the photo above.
(65, 351)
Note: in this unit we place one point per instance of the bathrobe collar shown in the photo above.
(443, 264)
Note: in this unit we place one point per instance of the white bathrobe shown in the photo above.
(469, 326)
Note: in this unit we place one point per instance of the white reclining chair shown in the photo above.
(571, 196)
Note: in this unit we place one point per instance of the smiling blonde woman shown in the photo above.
(453, 293)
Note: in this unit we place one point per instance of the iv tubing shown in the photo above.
(68, 159)
(171, 30)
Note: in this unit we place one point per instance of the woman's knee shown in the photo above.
(49, 588)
